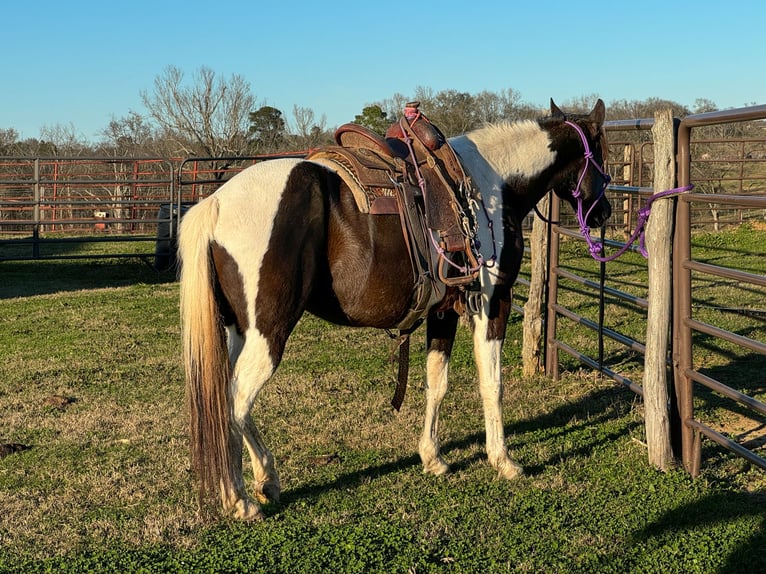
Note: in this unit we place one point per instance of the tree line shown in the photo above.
(209, 115)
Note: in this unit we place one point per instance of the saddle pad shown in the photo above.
(369, 176)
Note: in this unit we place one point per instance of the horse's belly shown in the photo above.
(374, 300)
(370, 280)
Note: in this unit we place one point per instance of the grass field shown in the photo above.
(91, 386)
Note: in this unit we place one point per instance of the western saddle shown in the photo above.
(415, 173)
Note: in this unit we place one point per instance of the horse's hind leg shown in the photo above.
(252, 367)
(440, 338)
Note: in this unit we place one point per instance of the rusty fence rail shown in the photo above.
(71, 208)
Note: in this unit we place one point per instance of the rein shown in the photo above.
(596, 247)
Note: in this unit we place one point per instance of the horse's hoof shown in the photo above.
(509, 470)
(437, 467)
(247, 511)
(268, 492)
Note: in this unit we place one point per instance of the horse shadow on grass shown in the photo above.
(713, 511)
(29, 278)
(592, 409)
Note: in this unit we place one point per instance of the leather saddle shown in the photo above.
(415, 173)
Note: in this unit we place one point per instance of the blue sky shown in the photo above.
(81, 63)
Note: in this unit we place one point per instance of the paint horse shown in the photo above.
(285, 236)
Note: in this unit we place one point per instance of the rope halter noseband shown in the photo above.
(582, 218)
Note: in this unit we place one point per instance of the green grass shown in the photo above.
(721, 302)
(106, 487)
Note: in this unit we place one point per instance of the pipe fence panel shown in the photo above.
(719, 351)
(596, 312)
(57, 208)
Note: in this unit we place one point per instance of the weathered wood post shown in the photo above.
(531, 347)
(659, 231)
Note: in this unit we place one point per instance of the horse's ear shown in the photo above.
(598, 113)
(555, 111)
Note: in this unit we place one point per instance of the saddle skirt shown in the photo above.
(368, 174)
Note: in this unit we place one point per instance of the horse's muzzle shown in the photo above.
(600, 213)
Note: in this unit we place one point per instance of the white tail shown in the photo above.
(205, 354)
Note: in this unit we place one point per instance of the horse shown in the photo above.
(284, 237)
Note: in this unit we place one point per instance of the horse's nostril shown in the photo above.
(601, 216)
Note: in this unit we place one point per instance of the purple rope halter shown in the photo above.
(596, 247)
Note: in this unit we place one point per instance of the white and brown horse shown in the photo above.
(285, 236)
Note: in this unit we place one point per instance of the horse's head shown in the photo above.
(580, 139)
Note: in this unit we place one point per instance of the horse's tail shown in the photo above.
(205, 354)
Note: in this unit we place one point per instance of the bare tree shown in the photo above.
(129, 136)
(209, 116)
(491, 107)
(309, 133)
(394, 106)
(8, 138)
(65, 141)
(457, 112)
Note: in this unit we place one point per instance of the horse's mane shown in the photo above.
(513, 147)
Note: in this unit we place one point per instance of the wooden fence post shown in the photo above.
(532, 340)
(658, 241)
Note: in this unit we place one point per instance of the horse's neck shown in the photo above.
(519, 193)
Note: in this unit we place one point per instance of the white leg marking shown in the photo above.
(253, 368)
(488, 355)
(437, 371)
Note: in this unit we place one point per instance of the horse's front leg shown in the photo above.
(440, 336)
(488, 337)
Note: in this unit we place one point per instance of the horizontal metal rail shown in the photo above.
(585, 359)
(726, 391)
(719, 333)
(632, 344)
(725, 442)
(622, 295)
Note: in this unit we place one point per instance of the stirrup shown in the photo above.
(473, 302)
